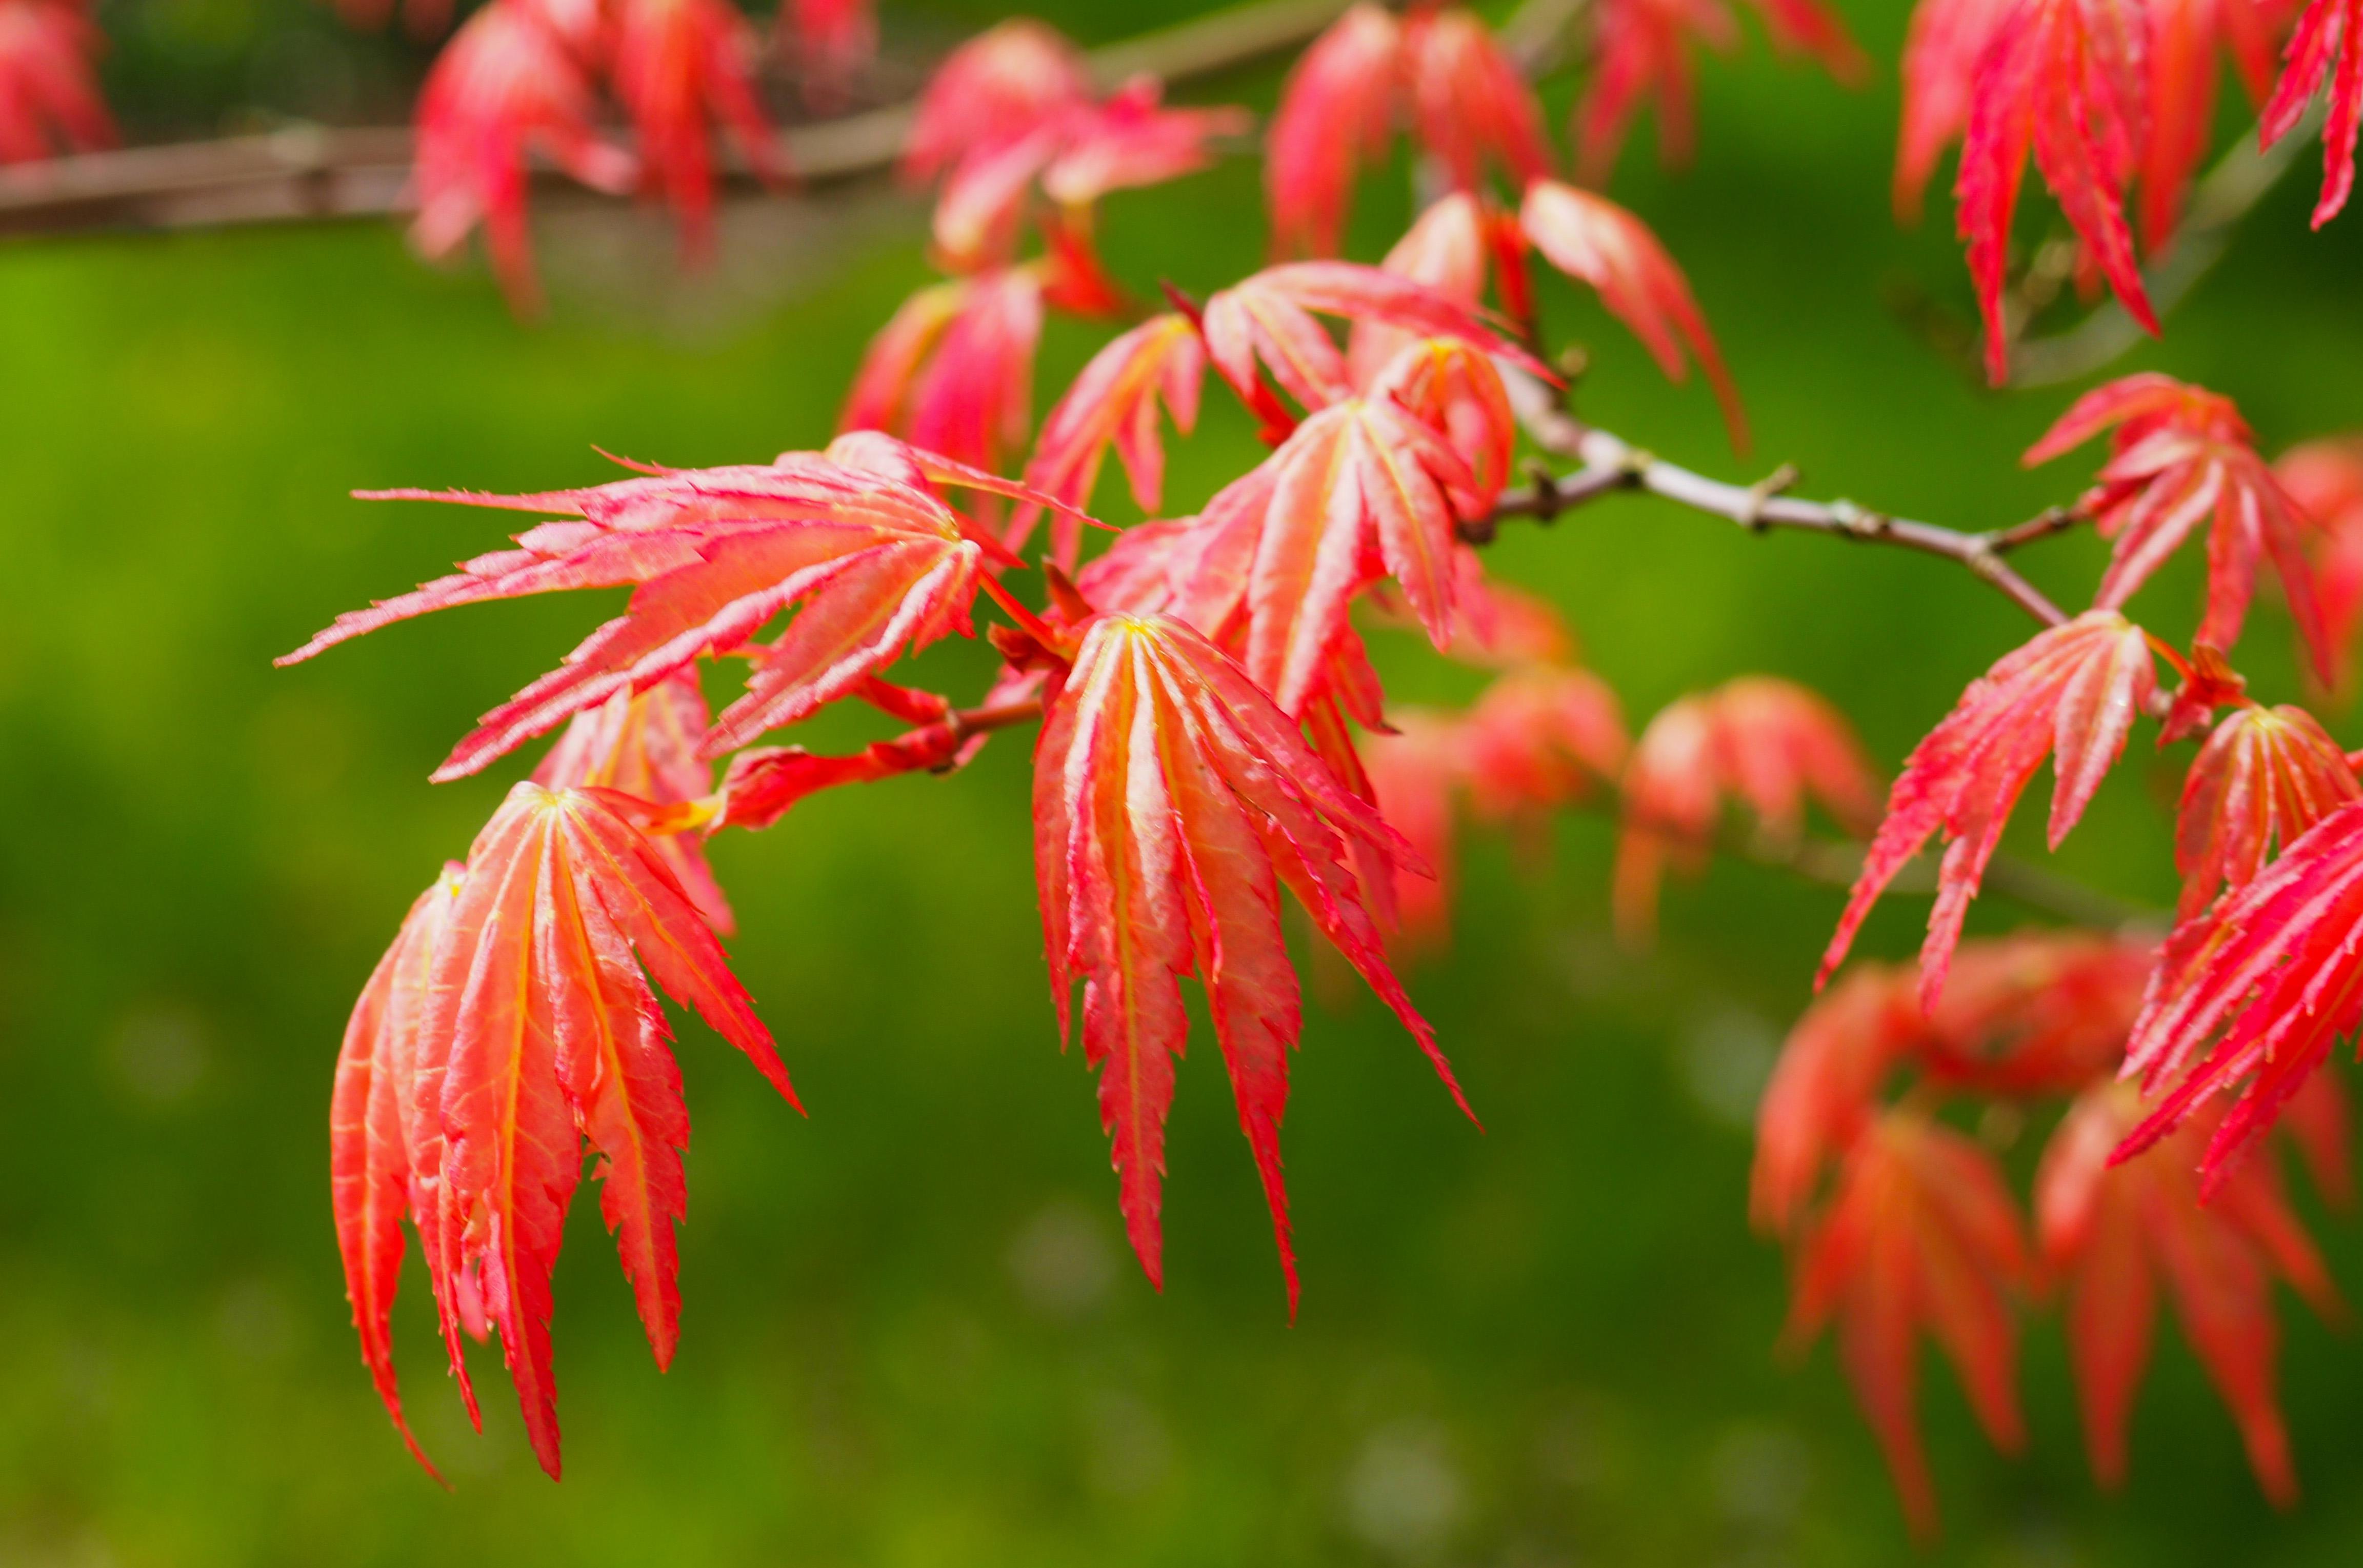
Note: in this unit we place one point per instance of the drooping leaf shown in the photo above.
(878, 565)
(1825, 1089)
(830, 43)
(2324, 49)
(1591, 238)
(999, 87)
(2184, 36)
(1941, 51)
(1336, 110)
(1171, 799)
(2263, 778)
(49, 84)
(2261, 1000)
(1539, 739)
(510, 1022)
(1453, 389)
(1767, 744)
(507, 88)
(2063, 80)
(1920, 1235)
(677, 63)
(1113, 402)
(2069, 694)
(1470, 102)
(644, 744)
(2179, 456)
(2114, 1231)
(2035, 1014)
(953, 369)
(371, 1171)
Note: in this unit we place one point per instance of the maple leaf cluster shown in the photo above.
(1213, 728)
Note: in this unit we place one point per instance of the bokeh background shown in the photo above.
(912, 1336)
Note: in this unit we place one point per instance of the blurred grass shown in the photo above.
(911, 1335)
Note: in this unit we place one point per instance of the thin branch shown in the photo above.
(307, 172)
(2238, 182)
(1609, 463)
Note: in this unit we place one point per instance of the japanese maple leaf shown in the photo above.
(1470, 102)
(1077, 154)
(1415, 773)
(1766, 743)
(999, 87)
(1941, 51)
(508, 1024)
(2062, 79)
(2324, 49)
(1452, 387)
(677, 62)
(831, 41)
(1541, 739)
(2184, 38)
(508, 87)
(48, 88)
(2263, 778)
(644, 744)
(1642, 50)
(1362, 489)
(713, 555)
(2181, 456)
(1440, 69)
(2261, 999)
(953, 371)
(1267, 323)
(1449, 247)
(1825, 1089)
(1171, 799)
(2069, 694)
(2326, 480)
(1921, 1234)
(2034, 1014)
(1113, 402)
(2114, 1231)
(1591, 238)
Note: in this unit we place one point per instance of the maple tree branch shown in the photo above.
(311, 172)
(1611, 463)
(2239, 180)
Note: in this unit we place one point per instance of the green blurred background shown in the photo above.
(911, 1335)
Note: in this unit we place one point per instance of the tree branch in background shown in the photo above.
(314, 172)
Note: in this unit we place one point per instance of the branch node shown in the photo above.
(1547, 497)
(1751, 515)
(1860, 523)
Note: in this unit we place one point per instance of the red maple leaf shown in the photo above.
(1825, 1089)
(2324, 479)
(2324, 49)
(2184, 36)
(999, 87)
(1415, 772)
(508, 87)
(1920, 1235)
(2038, 1013)
(508, 1024)
(2263, 778)
(1440, 69)
(953, 369)
(2114, 1231)
(1170, 801)
(2062, 79)
(49, 86)
(677, 62)
(713, 555)
(2179, 456)
(1642, 50)
(2257, 995)
(644, 744)
(1766, 743)
(1113, 402)
(1941, 52)
(1541, 738)
(830, 42)
(1593, 239)
(2069, 694)
(1266, 322)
